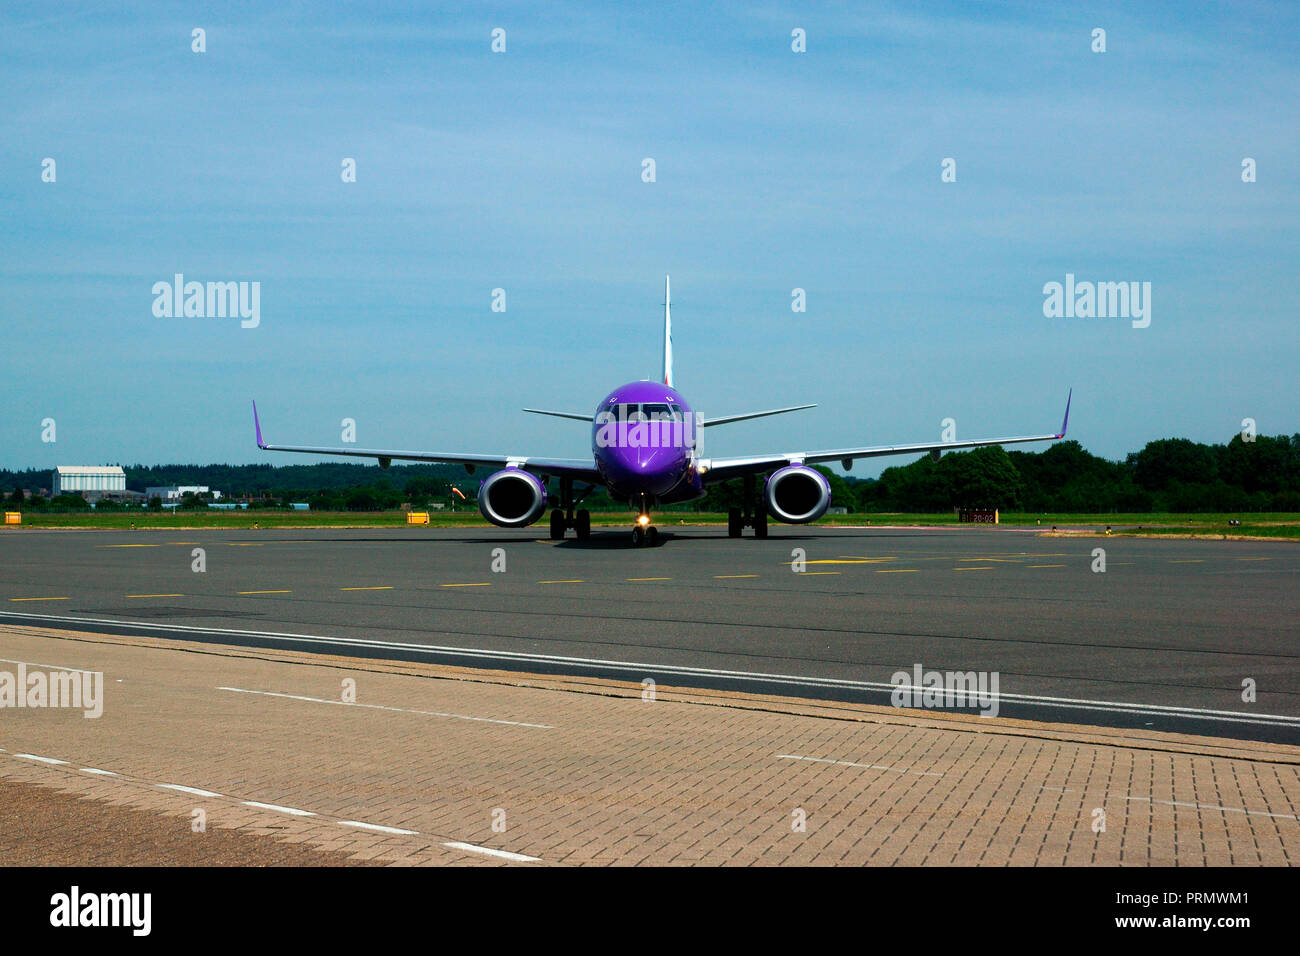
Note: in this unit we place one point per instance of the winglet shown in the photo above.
(258, 426)
(1065, 423)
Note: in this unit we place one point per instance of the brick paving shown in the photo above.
(47, 825)
(577, 771)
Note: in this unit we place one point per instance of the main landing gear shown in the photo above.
(565, 517)
(754, 515)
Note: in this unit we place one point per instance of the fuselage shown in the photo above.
(645, 439)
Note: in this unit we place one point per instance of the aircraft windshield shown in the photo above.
(658, 411)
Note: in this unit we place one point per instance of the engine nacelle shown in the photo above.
(512, 498)
(797, 494)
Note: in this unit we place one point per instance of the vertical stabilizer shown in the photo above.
(668, 336)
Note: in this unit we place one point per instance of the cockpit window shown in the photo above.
(659, 411)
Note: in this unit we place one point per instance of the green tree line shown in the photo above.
(1169, 475)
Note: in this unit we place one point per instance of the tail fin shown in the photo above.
(668, 337)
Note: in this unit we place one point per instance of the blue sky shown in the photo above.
(522, 171)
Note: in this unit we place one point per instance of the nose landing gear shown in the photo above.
(644, 534)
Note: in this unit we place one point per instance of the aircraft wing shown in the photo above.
(583, 469)
(721, 469)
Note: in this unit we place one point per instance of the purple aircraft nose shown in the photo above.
(642, 437)
(654, 471)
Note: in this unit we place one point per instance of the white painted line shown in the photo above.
(865, 766)
(1212, 806)
(41, 759)
(47, 667)
(377, 828)
(102, 773)
(488, 851)
(1184, 803)
(641, 668)
(400, 710)
(194, 790)
(278, 809)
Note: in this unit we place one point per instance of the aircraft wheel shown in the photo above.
(638, 536)
(583, 524)
(651, 536)
(733, 523)
(760, 523)
(557, 524)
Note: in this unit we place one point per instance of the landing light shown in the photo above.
(643, 520)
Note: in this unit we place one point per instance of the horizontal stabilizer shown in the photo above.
(574, 415)
(728, 419)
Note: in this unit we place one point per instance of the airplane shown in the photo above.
(645, 451)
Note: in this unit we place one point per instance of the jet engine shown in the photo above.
(797, 494)
(512, 498)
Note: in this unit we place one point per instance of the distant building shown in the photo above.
(89, 481)
(177, 492)
(125, 497)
